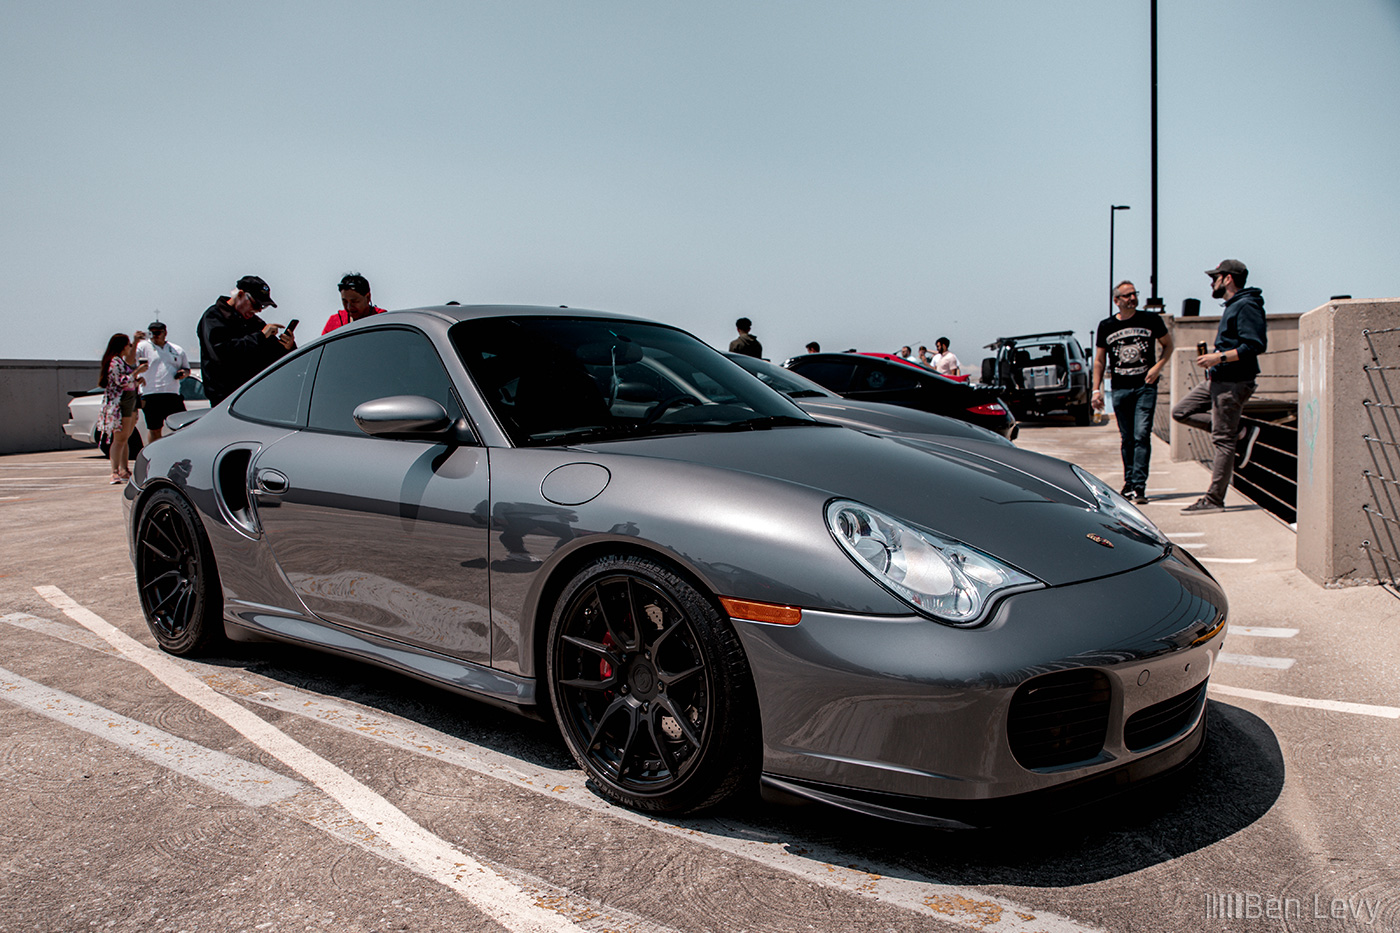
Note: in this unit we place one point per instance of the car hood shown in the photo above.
(1025, 509)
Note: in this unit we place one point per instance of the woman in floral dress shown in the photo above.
(120, 376)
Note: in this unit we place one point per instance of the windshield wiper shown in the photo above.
(766, 422)
(590, 433)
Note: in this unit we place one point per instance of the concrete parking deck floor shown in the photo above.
(120, 814)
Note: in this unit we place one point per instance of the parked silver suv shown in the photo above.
(1037, 374)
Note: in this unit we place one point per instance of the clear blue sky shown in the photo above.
(864, 175)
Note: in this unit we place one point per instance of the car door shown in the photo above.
(831, 374)
(892, 383)
(384, 536)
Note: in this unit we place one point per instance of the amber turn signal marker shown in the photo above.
(761, 612)
(1212, 633)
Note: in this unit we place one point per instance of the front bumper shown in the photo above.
(855, 707)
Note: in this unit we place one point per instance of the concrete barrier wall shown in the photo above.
(34, 398)
(1349, 450)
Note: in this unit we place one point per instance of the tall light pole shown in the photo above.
(1154, 303)
(1113, 210)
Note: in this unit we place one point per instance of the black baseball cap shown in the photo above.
(354, 282)
(257, 290)
(1228, 267)
(155, 326)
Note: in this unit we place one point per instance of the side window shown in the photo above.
(884, 378)
(836, 376)
(374, 364)
(281, 395)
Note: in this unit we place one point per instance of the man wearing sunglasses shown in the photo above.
(234, 343)
(355, 302)
(1127, 347)
(1217, 402)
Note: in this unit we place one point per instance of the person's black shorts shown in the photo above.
(160, 406)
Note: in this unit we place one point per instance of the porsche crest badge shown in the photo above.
(1099, 539)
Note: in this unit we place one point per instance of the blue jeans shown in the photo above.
(1134, 410)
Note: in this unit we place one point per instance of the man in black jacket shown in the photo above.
(1215, 405)
(234, 343)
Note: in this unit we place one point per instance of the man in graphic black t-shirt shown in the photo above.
(1127, 342)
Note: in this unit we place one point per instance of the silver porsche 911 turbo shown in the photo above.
(603, 520)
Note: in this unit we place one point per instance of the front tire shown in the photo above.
(175, 576)
(651, 688)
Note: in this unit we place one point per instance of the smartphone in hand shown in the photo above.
(292, 324)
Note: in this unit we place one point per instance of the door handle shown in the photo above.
(272, 482)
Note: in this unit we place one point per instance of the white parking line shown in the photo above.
(814, 864)
(1254, 660)
(248, 783)
(1263, 632)
(77, 636)
(1186, 534)
(1193, 544)
(1336, 706)
(426, 853)
(1228, 560)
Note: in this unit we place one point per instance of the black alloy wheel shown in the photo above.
(651, 688)
(175, 576)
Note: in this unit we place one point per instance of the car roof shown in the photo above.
(1011, 341)
(470, 312)
(877, 359)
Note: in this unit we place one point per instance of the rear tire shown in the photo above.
(176, 578)
(651, 688)
(1083, 415)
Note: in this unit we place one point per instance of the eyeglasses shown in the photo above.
(1128, 295)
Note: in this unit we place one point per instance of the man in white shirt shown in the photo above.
(160, 396)
(943, 361)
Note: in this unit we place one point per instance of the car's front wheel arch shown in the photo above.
(649, 683)
(575, 560)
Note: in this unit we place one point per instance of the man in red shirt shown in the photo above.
(355, 302)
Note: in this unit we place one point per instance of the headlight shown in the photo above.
(1118, 508)
(939, 576)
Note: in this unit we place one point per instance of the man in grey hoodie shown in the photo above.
(1215, 404)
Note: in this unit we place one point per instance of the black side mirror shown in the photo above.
(406, 417)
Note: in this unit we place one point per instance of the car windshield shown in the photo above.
(563, 380)
(784, 380)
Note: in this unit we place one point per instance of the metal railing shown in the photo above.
(1271, 476)
(1382, 449)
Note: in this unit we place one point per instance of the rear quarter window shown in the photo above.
(835, 375)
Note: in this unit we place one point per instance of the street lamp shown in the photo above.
(1113, 210)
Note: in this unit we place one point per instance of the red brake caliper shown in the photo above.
(604, 668)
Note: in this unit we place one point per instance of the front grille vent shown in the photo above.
(1059, 719)
(1162, 721)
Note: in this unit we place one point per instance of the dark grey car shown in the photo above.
(603, 520)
